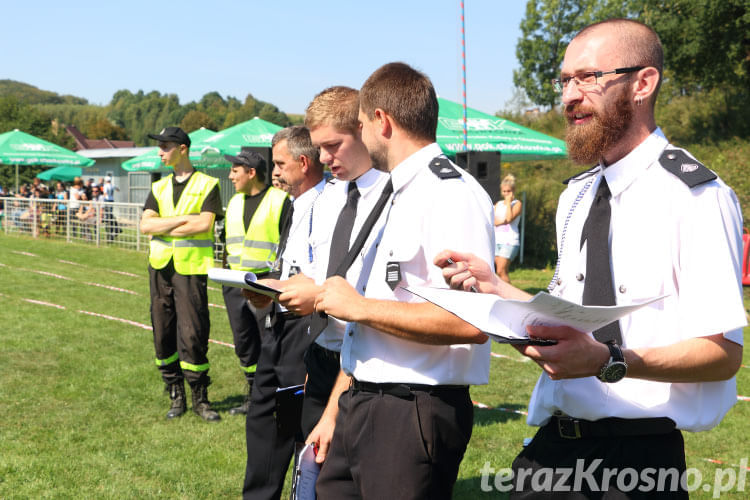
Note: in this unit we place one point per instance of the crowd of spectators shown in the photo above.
(72, 207)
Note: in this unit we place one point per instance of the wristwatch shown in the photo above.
(615, 368)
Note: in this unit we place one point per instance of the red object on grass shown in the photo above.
(745, 257)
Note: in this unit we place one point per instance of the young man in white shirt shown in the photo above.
(411, 362)
(332, 118)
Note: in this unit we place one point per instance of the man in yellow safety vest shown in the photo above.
(179, 214)
(254, 221)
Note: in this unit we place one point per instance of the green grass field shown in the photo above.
(82, 408)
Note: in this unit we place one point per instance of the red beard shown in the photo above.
(588, 142)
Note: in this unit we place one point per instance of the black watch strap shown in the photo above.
(615, 351)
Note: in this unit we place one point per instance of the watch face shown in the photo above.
(615, 372)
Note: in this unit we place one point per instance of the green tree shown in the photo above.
(104, 129)
(707, 63)
(15, 114)
(196, 119)
(706, 42)
(546, 31)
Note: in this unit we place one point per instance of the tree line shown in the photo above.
(128, 115)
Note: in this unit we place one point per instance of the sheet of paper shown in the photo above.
(508, 319)
(241, 279)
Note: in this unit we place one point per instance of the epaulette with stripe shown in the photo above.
(687, 169)
(443, 168)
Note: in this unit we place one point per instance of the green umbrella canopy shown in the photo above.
(20, 148)
(490, 133)
(150, 160)
(62, 173)
(256, 133)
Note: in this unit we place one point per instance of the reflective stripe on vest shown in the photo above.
(254, 250)
(192, 254)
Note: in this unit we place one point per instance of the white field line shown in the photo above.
(42, 303)
(503, 356)
(27, 254)
(111, 318)
(504, 410)
(108, 287)
(124, 273)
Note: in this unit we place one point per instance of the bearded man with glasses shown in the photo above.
(648, 220)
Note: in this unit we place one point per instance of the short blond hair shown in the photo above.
(335, 106)
(509, 180)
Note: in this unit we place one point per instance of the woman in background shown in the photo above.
(507, 242)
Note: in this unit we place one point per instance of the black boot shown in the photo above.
(201, 406)
(177, 395)
(245, 406)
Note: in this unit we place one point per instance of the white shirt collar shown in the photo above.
(309, 196)
(367, 181)
(407, 169)
(623, 172)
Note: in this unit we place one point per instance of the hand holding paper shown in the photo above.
(298, 294)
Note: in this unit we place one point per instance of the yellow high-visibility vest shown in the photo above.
(254, 250)
(192, 254)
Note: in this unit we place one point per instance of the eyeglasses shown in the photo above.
(588, 79)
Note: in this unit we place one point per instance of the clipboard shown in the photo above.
(241, 279)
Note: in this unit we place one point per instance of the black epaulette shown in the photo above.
(687, 169)
(581, 175)
(443, 168)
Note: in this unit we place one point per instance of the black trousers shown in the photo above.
(280, 365)
(323, 368)
(389, 447)
(179, 316)
(245, 329)
(551, 452)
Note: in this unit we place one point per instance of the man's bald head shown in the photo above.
(638, 44)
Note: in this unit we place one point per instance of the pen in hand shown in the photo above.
(472, 287)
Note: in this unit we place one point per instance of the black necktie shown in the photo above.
(342, 233)
(319, 321)
(598, 289)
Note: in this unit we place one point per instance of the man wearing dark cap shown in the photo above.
(254, 221)
(179, 214)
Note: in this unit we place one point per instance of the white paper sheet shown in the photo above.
(241, 279)
(506, 320)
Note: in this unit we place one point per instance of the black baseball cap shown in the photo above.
(172, 134)
(249, 158)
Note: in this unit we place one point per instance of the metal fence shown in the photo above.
(88, 222)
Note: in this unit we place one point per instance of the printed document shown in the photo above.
(505, 321)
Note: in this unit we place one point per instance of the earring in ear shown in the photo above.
(638, 100)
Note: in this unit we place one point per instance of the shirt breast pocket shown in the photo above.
(403, 265)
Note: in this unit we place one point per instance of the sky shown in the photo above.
(282, 52)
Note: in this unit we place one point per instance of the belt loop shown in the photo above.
(569, 428)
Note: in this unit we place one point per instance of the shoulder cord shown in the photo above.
(276, 265)
(579, 197)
